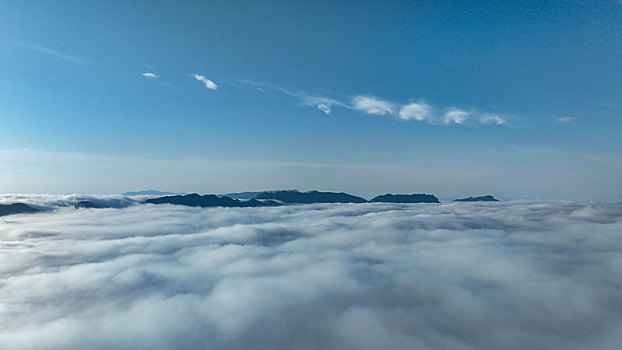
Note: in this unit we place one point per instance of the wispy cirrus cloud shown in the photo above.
(372, 105)
(566, 119)
(208, 83)
(322, 103)
(150, 75)
(369, 104)
(492, 119)
(55, 53)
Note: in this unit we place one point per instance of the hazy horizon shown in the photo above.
(28, 171)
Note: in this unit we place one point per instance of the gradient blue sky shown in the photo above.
(521, 99)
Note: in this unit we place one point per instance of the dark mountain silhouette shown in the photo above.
(487, 198)
(150, 193)
(208, 200)
(406, 198)
(295, 196)
(241, 195)
(16, 208)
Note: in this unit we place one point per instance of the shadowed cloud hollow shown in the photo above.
(495, 275)
(16, 208)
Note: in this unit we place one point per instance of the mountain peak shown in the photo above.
(486, 198)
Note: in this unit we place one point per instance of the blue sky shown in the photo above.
(519, 99)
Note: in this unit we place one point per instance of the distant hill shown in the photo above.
(406, 198)
(16, 208)
(295, 196)
(209, 200)
(487, 198)
(150, 193)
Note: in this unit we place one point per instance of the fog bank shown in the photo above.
(505, 275)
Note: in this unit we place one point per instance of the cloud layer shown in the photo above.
(508, 275)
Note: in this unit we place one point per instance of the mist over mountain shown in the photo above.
(12, 204)
(50, 202)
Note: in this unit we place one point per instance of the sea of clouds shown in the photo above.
(505, 275)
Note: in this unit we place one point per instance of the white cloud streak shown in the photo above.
(372, 105)
(454, 115)
(566, 119)
(56, 54)
(150, 75)
(322, 103)
(208, 83)
(324, 107)
(492, 119)
(506, 275)
(415, 111)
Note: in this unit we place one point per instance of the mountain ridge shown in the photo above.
(208, 200)
(310, 197)
(486, 198)
(405, 198)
